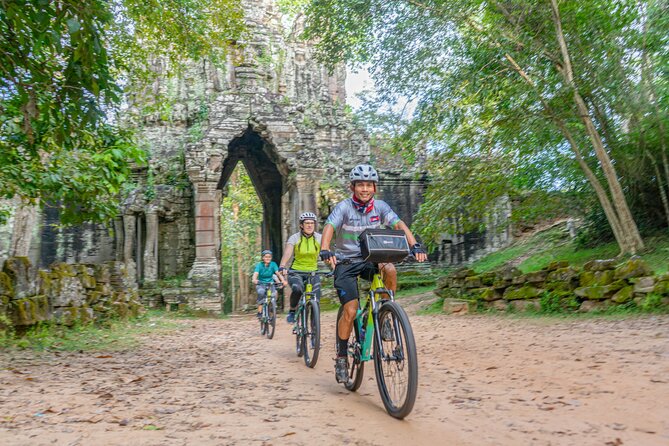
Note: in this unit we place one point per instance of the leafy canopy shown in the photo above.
(63, 65)
(489, 131)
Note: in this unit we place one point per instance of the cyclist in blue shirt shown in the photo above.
(346, 222)
(264, 275)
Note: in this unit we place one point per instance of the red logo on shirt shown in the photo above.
(374, 218)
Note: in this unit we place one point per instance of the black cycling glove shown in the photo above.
(417, 249)
(325, 255)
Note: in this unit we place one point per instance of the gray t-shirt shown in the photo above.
(348, 224)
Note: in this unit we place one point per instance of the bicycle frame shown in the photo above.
(367, 314)
(269, 295)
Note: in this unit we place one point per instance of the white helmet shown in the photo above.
(307, 216)
(364, 172)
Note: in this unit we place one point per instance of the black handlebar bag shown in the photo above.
(383, 245)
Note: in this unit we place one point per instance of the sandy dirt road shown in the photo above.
(483, 381)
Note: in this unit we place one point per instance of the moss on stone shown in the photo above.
(565, 274)
(6, 285)
(490, 294)
(596, 278)
(473, 282)
(524, 292)
(634, 267)
(559, 286)
(556, 264)
(600, 292)
(623, 295)
(661, 288)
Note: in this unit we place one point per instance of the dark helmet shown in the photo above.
(307, 216)
(364, 172)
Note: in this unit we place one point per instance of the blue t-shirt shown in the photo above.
(265, 273)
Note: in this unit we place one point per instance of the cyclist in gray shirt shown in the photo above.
(346, 221)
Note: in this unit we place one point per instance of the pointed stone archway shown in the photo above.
(256, 155)
(284, 189)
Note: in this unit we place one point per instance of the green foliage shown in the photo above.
(558, 303)
(197, 126)
(492, 104)
(653, 304)
(241, 217)
(6, 329)
(62, 71)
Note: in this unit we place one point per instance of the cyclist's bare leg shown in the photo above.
(389, 275)
(346, 322)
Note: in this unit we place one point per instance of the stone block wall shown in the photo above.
(65, 293)
(598, 285)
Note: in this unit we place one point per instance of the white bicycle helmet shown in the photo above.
(364, 172)
(307, 216)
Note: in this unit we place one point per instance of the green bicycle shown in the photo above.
(307, 326)
(268, 313)
(382, 322)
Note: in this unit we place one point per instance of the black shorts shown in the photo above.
(346, 279)
(298, 280)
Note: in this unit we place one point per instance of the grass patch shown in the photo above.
(568, 252)
(538, 251)
(112, 335)
(405, 292)
(500, 258)
(436, 307)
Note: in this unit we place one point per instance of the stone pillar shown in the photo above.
(129, 228)
(119, 239)
(308, 183)
(151, 247)
(206, 271)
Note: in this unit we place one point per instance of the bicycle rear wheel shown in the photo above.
(396, 365)
(271, 319)
(356, 368)
(311, 343)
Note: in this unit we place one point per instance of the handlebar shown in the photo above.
(328, 273)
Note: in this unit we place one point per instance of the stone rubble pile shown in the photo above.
(598, 285)
(66, 293)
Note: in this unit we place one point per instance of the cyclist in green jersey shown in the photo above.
(304, 246)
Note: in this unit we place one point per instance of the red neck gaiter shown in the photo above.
(363, 208)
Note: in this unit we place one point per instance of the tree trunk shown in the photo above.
(663, 194)
(25, 220)
(232, 284)
(631, 237)
(604, 200)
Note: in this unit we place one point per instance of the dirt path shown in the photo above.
(483, 381)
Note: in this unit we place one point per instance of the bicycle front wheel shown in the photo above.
(299, 331)
(356, 368)
(271, 319)
(312, 333)
(263, 320)
(396, 361)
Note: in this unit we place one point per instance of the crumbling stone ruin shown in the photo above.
(271, 106)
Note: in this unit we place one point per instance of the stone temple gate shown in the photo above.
(271, 106)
